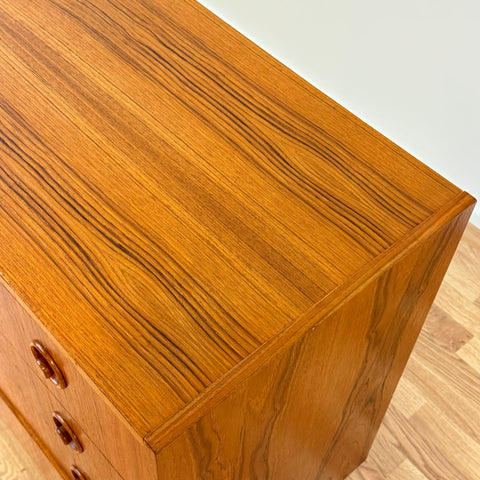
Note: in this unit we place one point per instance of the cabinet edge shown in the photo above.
(461, 205)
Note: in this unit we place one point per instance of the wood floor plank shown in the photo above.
(445, 397)
(20, 458)
(15, 463)
(407, 471)
(463, 273)
(366, 473)
(459, 374)
(425, 454)
(453, 302)
(467, 284)
(453, 443)
(470, 353)
(446, 332)
(409, 398)
(380, 464)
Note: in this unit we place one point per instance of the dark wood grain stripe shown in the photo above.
(179, 201)
(142, 59)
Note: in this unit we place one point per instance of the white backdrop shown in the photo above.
(411, 69)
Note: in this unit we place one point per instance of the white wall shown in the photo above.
(411, 69)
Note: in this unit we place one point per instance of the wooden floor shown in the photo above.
(432, 428)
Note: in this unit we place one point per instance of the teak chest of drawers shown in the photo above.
(209, 269)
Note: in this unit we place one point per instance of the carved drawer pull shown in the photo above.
(48, 366)
(65, 432)
(77, 474)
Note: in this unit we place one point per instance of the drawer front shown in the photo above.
(128, 453)
(36, 406)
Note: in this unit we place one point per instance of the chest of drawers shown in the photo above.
(209, 269)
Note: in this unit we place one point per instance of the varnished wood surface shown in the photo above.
(323, 400)
(34, 405)
(442, 380)
(200, 406)
(172, 198)
(104, 427)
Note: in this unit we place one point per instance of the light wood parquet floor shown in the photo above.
(432, 428)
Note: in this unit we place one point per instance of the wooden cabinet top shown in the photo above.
(176, 205)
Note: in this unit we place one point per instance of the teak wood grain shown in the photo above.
(442, 378)
(325, 397)
(178, 210)
(146, 162)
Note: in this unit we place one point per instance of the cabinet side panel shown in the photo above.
(313, 412)
(403, 297)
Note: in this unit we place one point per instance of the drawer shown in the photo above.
(126, 452)
(36, 407)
